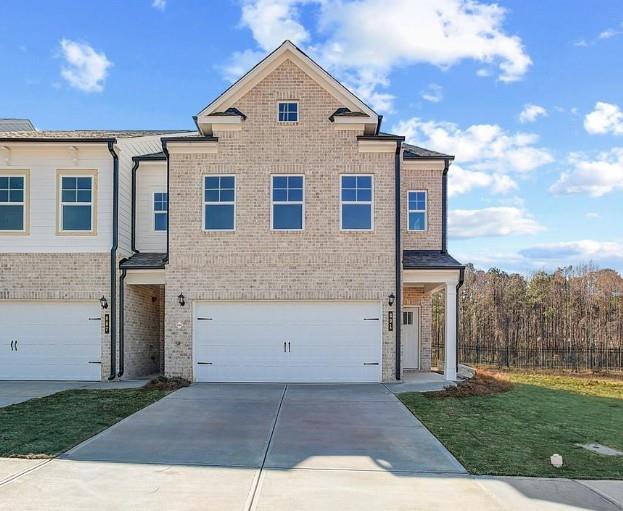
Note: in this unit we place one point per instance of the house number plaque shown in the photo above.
(390, 321)
(106, 323)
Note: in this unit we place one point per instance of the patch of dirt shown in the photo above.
(596, 374)
(167, 384)
(482, 384)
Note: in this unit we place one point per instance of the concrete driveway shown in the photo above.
(274, 447)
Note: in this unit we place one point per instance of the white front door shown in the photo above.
(288, 341)
(411, 337)
(50, 340)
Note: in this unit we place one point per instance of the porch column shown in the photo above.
(450, 348)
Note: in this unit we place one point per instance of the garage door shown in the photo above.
(288, 341)
(50, 341)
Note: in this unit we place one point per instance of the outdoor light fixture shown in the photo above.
(104, 302)
(181, 299)
(391, 297)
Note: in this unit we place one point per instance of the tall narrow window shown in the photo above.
(219, 203)
(12, 203)
(288, 111)
(76, 208)
(288, 203)
(161, 208)
(356, 209)
(416, 202)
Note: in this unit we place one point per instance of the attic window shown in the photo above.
(288, 111)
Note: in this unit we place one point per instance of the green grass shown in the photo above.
(48, 426)
(515, 433)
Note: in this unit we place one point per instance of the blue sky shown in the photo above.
(528, 191)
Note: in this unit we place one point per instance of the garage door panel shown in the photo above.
(325, 341)
(54, 340)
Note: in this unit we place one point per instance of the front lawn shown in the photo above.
(516, 432)
(50, 425)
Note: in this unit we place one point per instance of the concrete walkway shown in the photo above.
(13, 392)
(277, 448)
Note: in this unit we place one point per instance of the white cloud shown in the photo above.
(482, 147)
(605, 118)
(488, 222)
(605, 34)
(362, 41)
(462, 181)
(592, 215)
(159, 4)
(596, 177)
(84, 69)
(531, 113)
(240, 63)
(603, 253)
(433, 93)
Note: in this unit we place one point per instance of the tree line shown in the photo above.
(571, 318)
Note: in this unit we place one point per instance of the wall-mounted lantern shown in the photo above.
(391, 299)
(181, 299)
(104, 302)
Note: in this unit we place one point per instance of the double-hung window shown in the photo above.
(356, 202)
(161, 208)
(288, 111)
(416, 203)
(76, 203)
(219, 203)
(288, 203)
(13, 205)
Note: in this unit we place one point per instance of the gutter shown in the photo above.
(121, 322)
(165, 150)
(444, 209)
(113, 260)
(398, 258)
(134, 169)
(458, 302)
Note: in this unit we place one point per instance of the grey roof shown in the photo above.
(143, 261)
(413, 152)
(84, 134)
(346, 112)
(429, 260)
(232, 112)
(16, 125)
(150, 157)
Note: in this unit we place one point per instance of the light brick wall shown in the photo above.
(142, 330)
(66, 277)
(418, 177)
(321, 263)
(418, 296)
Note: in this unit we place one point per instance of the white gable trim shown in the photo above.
(287, 51)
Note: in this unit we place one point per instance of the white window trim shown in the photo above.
(357, 202)
(212, 203)
(154, 213)
(425, 211)
(298, 111)
(274, 203)
(61, 204)
(24, 203)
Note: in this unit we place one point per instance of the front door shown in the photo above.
(411, 336)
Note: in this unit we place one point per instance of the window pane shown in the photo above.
(292, 116)
(280, 194)
(416, 221)
(356, 216)
(211, 182)
(76, 218)
(4, 183)
(69, 196)
(295, 181)
(84, 183)
(295, 195)
(69, 183)
(160, 223)
(349, 194)
(227, 196)
(211, 195)
(227, 182)
(364, 182)
(364, 195)
(11, 218)
(84, 195)
(4, 195)
(16, 196)
(349, 182)
(288, 216)
(219, 217)
(16, 182)
(158, 197)
(280, 182)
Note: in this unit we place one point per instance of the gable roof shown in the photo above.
(16, 125)
(413, 152)
(429, 260)
(287, 51)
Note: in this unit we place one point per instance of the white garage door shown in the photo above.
(288, 341)
(50, 341)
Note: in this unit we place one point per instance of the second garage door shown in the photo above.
(287, 341)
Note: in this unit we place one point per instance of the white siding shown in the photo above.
(43, 161)
(151, 177)
(128, 148)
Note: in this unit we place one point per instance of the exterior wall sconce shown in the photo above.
(181, 299)
(391, 299)
(104, 302)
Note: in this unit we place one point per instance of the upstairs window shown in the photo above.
(13, 203)
(161, 208)
(356, 194)
(219, 203)
(288, 203)
(76, 207)
(416, 203)
(288, 111)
